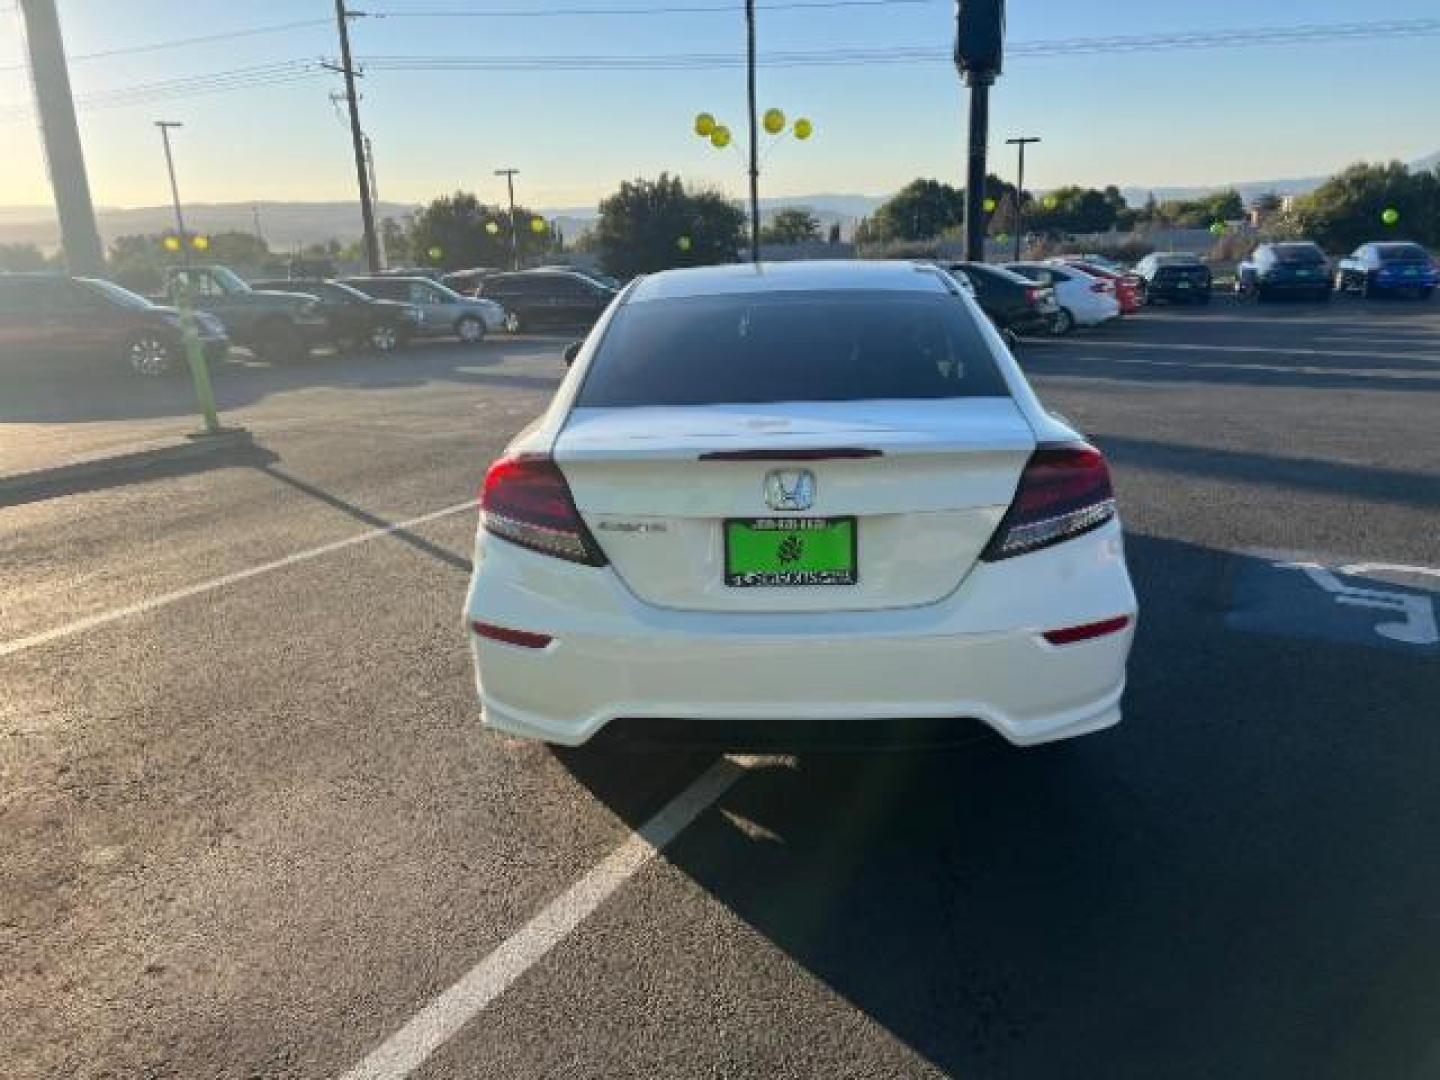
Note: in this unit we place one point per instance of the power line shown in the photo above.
(658, 9)
(177, 43)
(301, 69)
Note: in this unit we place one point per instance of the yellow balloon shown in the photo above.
(172, 243)
(803, 129)
(200, 243)
(704, 124)
(537, 225)
(683, 243)
(720, 137)
(492, 227)
(989, 205)
(774, 121)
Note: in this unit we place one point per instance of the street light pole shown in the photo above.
(510, 175)
(165, 126)
(754, 132)
(1022, 142)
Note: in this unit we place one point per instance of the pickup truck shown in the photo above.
(278, 326)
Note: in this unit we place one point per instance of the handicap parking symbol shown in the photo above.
(1380, 605)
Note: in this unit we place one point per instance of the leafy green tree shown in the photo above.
(1348, 209)
(921, 210)
(1074, 209)
(397, 238)
(22, 257)
(1268, 203)
(791, 226)
(467, 232)
(653, 225)
(138, 262)
(1203, 212)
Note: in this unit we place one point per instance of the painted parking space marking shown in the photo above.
(435, 1024)
(1274, 350)
(90, 622)
(1373, 604)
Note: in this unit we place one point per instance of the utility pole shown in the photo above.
(754, 132)
(1022, 142)
(347, 68)
(80, 237)
(375, 194)
(510, 175)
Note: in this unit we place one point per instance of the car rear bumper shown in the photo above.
(1294, 285)
(979, 654)
(1176, 292)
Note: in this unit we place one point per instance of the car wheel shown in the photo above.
(384, 339)
(512, 322)
(151, 355)
(1064, 322)
(470, 330)
(281, 343)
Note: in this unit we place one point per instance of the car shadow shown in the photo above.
(1237, 881)
(71, 394)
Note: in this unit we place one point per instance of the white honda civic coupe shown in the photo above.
(798, 492)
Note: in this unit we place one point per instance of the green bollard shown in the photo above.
(199, 369)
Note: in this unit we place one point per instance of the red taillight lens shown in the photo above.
(1071, 634)
(1063, 492)
(1032, 296)
(525, 500)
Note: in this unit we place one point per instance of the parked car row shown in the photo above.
(1302, 268)
(52, 317)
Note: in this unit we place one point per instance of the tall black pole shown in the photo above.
(509, 175)
(1021, 142)
(61, 135)
(754, 132)
(357, 140)
(975, 173)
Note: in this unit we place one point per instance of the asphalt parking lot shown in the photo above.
(251, 828)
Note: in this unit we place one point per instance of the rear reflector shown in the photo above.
(525, 500)
(522, 638)
(1063, 492)
(1071, 634)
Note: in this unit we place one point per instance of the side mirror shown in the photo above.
(572, 351)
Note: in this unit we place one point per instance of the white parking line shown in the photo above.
(9, 648)
(1162, 347)
(435, 1024)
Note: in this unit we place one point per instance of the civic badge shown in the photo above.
(790, 489)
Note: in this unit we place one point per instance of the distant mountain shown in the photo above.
(1300, 185)
(287, 225)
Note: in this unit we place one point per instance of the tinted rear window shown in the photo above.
(790, 346)
(1298, 253)
(1391, 253)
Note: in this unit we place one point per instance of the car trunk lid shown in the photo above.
(924, 484)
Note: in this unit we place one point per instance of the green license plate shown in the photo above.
(787, 552)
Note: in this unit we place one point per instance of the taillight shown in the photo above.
(1033, 294)
(525, 500)
(1063, 492)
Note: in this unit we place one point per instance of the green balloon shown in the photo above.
(1217, 228)
(683, 243)
(1390, 216)
(435, 253)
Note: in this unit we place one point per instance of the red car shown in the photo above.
(1129, 288)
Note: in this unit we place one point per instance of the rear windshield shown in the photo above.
(790, 346)
(1402, 253)
(1298, 253)
(1181, 261)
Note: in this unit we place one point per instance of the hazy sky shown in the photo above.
(1152, 118)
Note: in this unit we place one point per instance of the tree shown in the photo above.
(1074, 209)
(921, 210)
(791, 226)
(452, 234)
(241, 249)
(396, 236)
(651, 225)
(138, 262)
(22, 257)
(1348, 209)
(1004, 221)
